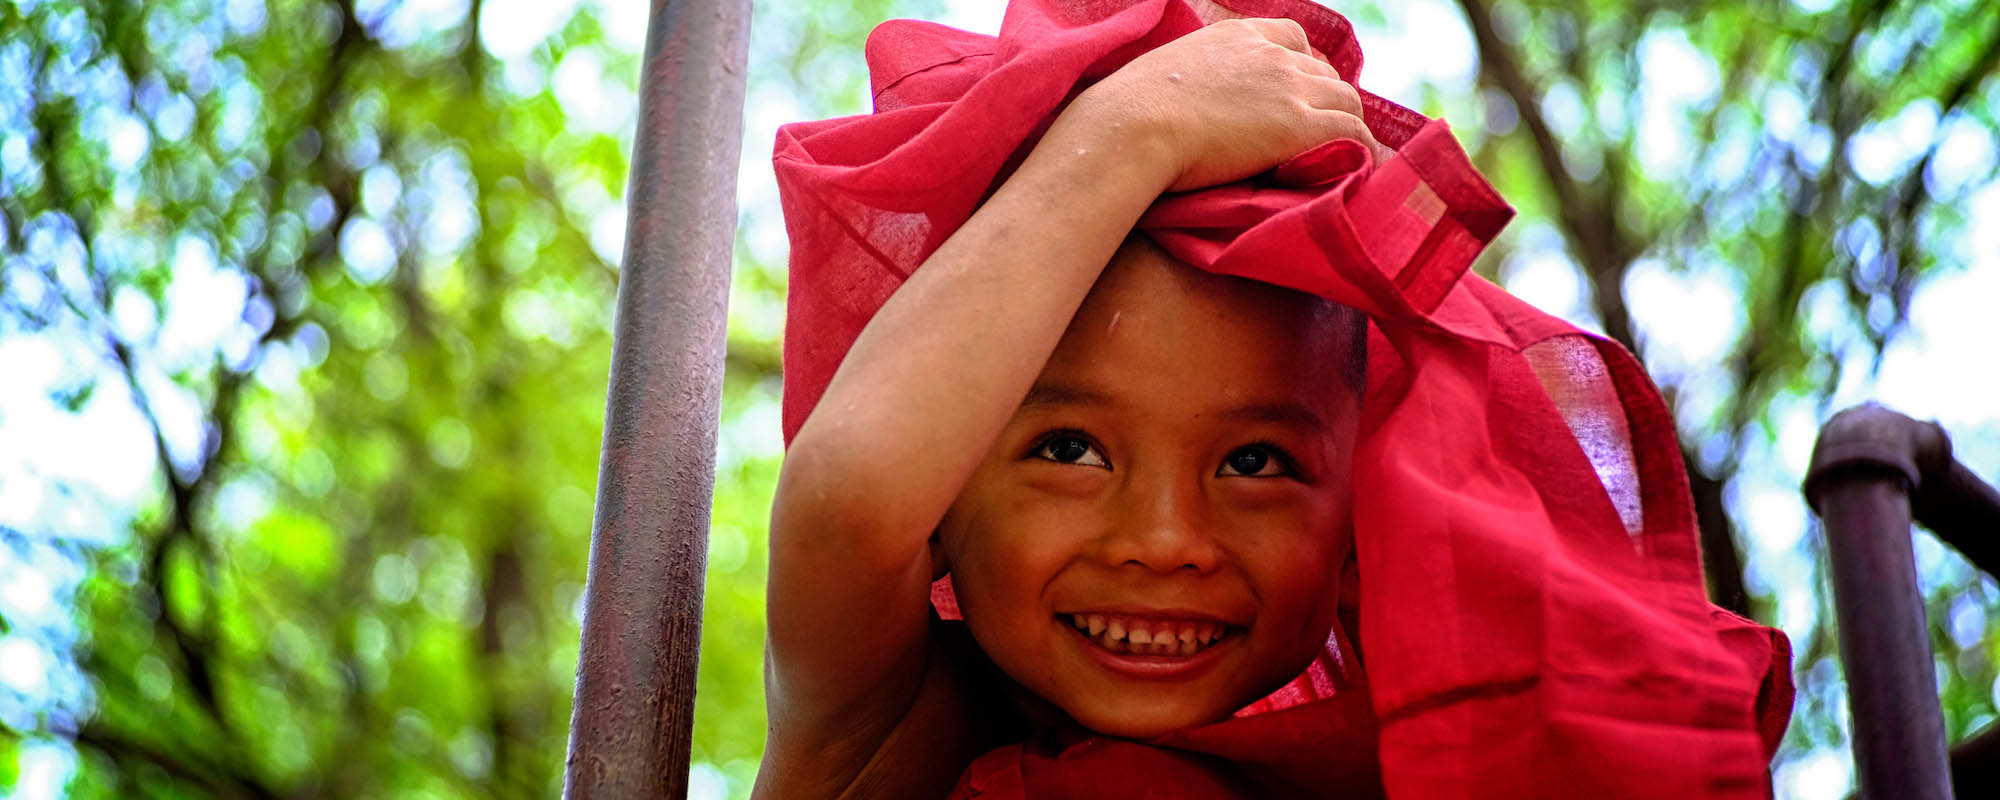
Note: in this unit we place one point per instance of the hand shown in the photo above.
(1231, 100)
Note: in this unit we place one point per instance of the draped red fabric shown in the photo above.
(1531, 610)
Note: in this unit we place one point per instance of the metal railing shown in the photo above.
(1873, 472)
(633, 719)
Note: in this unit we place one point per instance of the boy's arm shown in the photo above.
(943, 365)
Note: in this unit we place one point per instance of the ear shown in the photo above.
(1348, 611)
(940, 563)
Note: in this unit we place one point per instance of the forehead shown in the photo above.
(1156, 328)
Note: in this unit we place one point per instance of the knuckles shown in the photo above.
(1233, 98)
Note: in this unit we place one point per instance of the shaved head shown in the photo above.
(1332, 334)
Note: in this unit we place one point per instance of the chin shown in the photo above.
(1125, 724)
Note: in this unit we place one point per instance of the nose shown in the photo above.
(1164, 525)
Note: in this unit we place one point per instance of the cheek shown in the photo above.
(1005, 550)
(1291, 516)
(1292, 552)
(1005, 557)
(1300, 577)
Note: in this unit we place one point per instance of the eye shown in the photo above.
(1256, 461)
(1065, 447)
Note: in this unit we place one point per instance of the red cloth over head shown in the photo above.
(1530, 597)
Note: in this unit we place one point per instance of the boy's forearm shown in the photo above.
(942, 366)
(938, 371)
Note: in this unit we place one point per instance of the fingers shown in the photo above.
(1290, 35)
(1329, 90)
(1323, 87)
(1314, 65)
(1341, 125)
(1333, 94)
(1283, 32)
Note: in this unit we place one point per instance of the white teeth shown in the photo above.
(1182, 639)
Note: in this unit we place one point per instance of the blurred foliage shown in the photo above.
(393, 230)
(1819, 161)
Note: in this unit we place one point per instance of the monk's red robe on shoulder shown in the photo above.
(1531, 608)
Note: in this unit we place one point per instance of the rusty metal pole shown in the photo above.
(1864, 467)
(632, 723)
(1899, 742)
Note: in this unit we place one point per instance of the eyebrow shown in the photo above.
(1047, 395)
(1289, 414)
(1053, 395)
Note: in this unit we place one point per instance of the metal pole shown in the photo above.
(1964, 511)
(1899, 744)
(632, 723)
(1864, 467)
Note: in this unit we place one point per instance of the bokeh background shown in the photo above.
(304, 334)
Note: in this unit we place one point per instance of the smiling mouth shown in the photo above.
(1153, 637)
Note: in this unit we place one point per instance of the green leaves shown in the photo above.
(343, 279)
(1785, 152)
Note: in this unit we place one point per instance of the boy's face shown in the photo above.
(1180, 468)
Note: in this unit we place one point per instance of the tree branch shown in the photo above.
(217, 781)
(181, 490)
(197, 647)
(1588, 217)
(1912, 195)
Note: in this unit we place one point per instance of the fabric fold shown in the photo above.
(1532, 616)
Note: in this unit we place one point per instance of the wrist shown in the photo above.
(1120, 134)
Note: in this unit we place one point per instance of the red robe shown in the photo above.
(1530, 601)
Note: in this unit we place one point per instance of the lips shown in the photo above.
(1148, 635)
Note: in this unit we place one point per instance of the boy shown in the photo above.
(941, 372)
(1137, 472)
